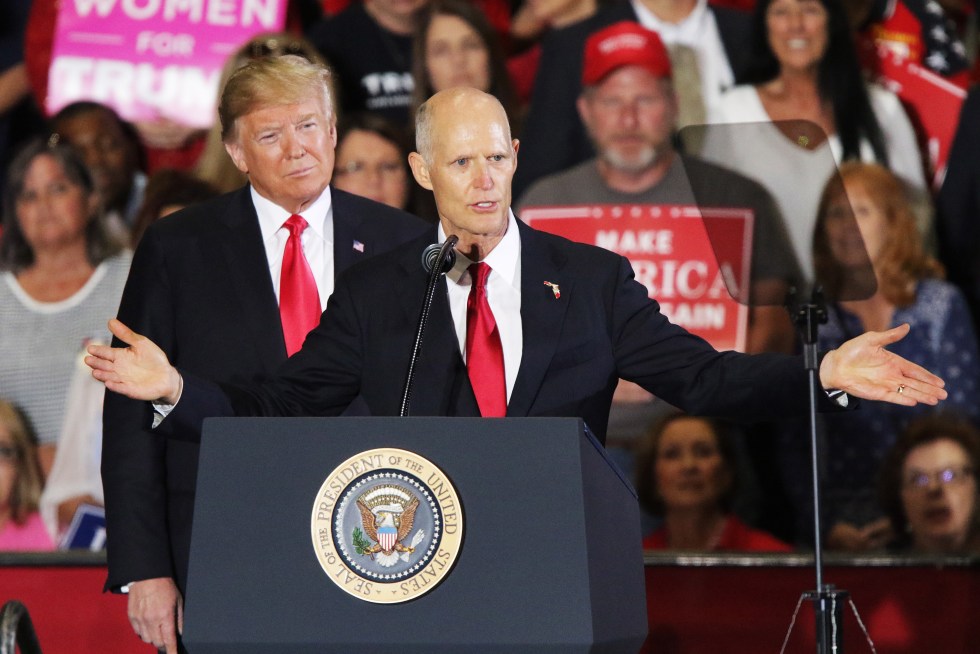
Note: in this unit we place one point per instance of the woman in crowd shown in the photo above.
(372, 160)
(866, 209)
(214, 165)
(61, 275)
(168, 190)
(929, 487)
(455, 46)
(686, 475)
(21, 527)
(810, 108)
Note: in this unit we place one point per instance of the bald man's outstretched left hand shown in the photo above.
(140, 371)
(864, 368)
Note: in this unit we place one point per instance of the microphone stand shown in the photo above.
(828, 601)
(445, 256)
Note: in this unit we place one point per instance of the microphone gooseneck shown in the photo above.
(436, 259)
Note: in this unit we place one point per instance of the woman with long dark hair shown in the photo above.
(456, 46)
(811, 109)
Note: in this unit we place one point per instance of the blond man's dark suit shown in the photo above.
(200, 288)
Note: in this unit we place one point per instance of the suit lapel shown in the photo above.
(246, 268)
(346, 233)
(542, 315)
(441, 386)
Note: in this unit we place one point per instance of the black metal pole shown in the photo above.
(437, 269)
(827, 600)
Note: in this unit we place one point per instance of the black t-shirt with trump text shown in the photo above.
(373, 66)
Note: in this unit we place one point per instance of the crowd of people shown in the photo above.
(598, 94)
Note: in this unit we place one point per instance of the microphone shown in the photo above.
(432, 253)
(436, 259)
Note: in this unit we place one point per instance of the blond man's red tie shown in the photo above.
(299, 300)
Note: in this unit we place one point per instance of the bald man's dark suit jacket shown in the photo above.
(576, 346)
(200, 288)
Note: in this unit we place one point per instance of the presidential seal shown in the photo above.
(387, 525)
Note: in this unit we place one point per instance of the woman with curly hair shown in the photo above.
(864, 216)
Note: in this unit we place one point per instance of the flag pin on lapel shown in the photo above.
(554, 289)
(358, 246)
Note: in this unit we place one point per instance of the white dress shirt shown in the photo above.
(503, 295)
(317, 239)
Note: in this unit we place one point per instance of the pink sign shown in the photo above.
(672, 256)
(152, 58)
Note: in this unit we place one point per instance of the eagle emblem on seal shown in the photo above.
(387, 515)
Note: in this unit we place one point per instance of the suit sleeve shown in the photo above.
(133, 458)
(686, 371)
(322, 379)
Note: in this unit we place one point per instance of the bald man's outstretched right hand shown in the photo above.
(140, 371)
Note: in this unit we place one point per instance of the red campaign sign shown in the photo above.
(672, 256)
(892, 53)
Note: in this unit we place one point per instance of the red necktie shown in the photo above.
(484, 354)
(299, 301)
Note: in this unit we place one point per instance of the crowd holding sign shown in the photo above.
(152, 59)
(673, 256)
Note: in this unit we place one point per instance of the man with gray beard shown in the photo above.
(629, 109)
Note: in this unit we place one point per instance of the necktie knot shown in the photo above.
(299, 299)
(479, 272)
(296, 224)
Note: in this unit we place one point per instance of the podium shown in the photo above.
(550, 558)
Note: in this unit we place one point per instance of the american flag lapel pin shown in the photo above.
(358, 246)
(554, 289)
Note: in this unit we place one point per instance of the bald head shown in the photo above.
(467, 158)
(458, 102)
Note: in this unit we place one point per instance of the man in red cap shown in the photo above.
(708, 46)
(629, 109)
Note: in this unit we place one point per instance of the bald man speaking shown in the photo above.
(525, 323)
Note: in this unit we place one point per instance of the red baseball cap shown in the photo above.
(623, 44)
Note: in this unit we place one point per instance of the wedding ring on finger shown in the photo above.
(901, 388)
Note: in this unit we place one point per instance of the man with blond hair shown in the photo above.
(229, 289)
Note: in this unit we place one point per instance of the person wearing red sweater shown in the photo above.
(686, 475)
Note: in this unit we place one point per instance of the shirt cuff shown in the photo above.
(161, 409)
(838, 397)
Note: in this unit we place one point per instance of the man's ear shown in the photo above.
(420, 170)
(333, 132)
(234, 150)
